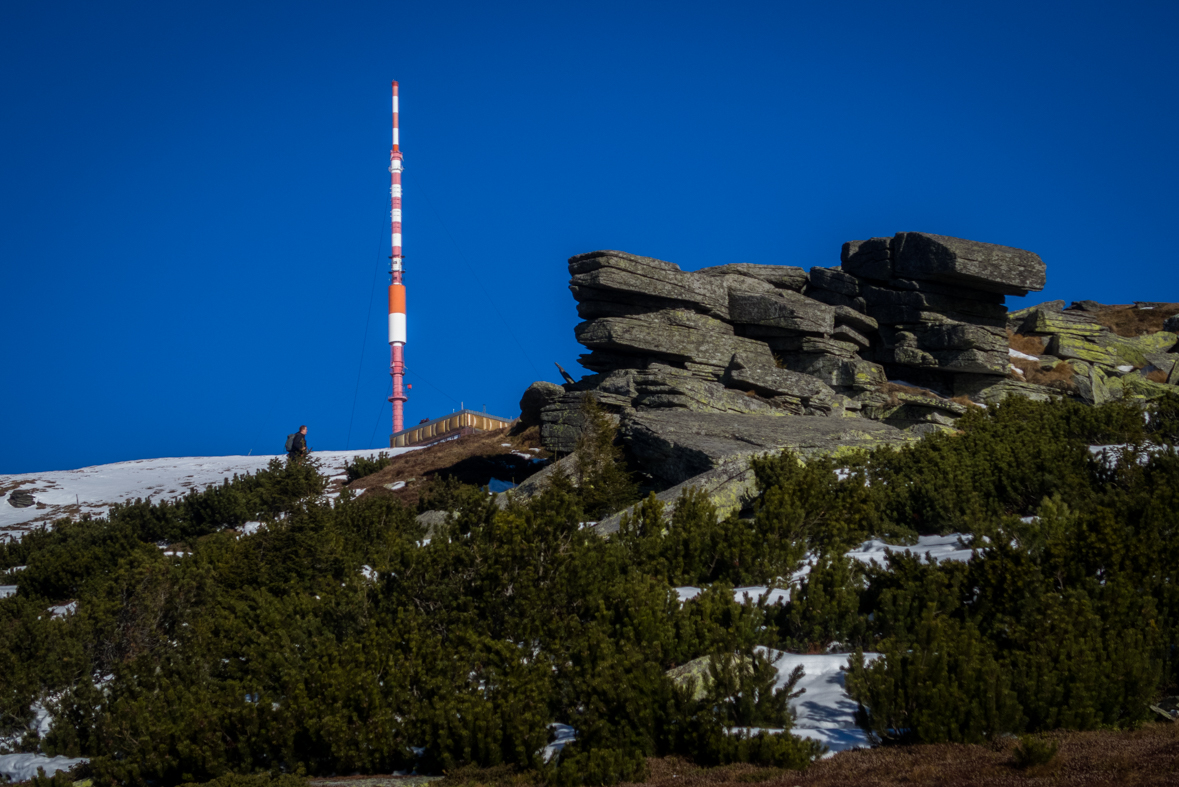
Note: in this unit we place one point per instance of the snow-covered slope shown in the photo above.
(825, 712)
(92, 490)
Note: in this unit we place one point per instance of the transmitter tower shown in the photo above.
(396, 287)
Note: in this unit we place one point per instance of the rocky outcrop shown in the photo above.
(704, 369)
(772, 341)
(676, 446)
(916, 305)
(973, 266)
(1101, 364)
(939, 304)
(21, 498)
(538, 396)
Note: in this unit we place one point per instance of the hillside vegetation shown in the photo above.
(337, 638)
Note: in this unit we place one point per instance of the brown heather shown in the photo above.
(470, 459)
(895, 388)
(1029, 345)
(1132, 321)
(1059, 377)
(1144, 757)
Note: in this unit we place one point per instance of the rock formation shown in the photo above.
(702, 368)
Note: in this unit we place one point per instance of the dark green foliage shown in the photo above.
(598, 767)
(741, 691)
(1031, 752)
(692, 547)
(1004, 461)
(718, 747)
(1163, 425)
(337, 638)
(808, 505)
(941, 684)
(360, 466)
(604, 483)
(1066, 619)
(58, 779)
(825, 609)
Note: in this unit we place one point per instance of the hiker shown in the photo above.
(297, 445)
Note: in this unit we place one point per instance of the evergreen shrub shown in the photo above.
(338, 638)
(360, 466)
(1032, 751)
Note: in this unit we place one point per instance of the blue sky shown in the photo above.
(194, 194)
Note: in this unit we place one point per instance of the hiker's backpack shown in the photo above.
(291, 441)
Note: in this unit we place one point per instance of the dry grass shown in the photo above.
(1157, 376)
(895, 388)
(892, 389)
(1059, 377)
(1131, 321)
(473, 459)
(1029, 345)
(1145, 757)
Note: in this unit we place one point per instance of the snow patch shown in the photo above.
(954, 546)
(23, 767)
(824, 712)
(755, 593)
(7, 590)
(92, 490)
(745, 595)
(1014, 353)
(61, 610)
(563, 736)
(1110, 455)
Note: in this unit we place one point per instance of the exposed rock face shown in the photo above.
(1104, 365)
(677, 335)
(538, 395)
(939, 304)
(704, 369)
(642, 284)
(966, 263)
(21, 498)
(675, 446)
(773, 340)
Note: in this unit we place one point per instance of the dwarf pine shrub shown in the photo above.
(339, 639)
(360, 466)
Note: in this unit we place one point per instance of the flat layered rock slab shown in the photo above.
(966, 263)
(708, 341)
(674, 446)
(616, 275)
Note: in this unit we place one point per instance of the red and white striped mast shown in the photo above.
(396, 289)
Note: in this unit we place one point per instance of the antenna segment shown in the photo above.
(396, 289)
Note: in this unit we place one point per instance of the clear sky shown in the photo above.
(193, 199)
